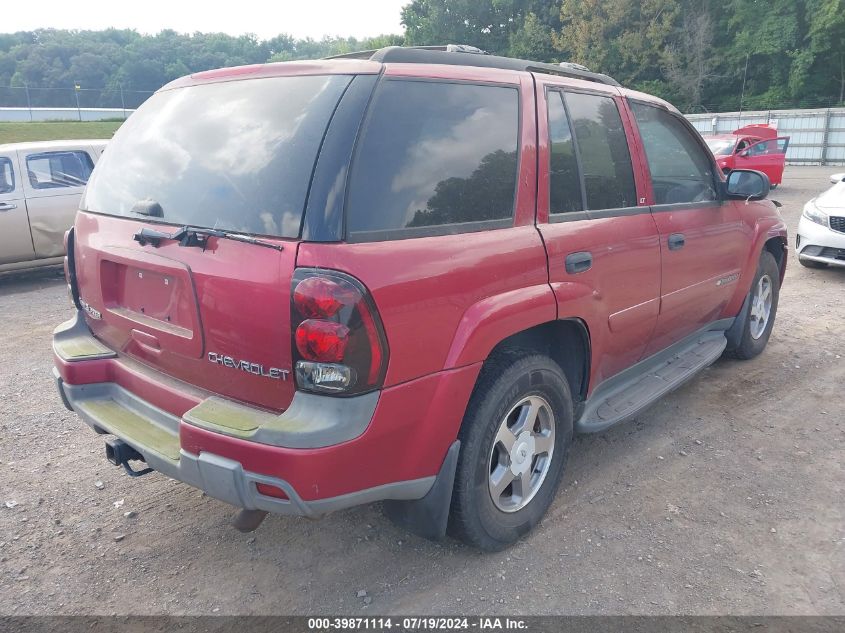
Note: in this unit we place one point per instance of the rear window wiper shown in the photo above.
(197, 236)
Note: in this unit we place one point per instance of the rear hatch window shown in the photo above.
(234, 155)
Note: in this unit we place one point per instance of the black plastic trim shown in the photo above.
(323, 221)
(617, 213)
(569, 216)
(684, 206)
(428, 517)
(408, 55)
(429, 231)
(71, 268)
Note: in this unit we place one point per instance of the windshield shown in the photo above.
(234, 155)
(720, 146)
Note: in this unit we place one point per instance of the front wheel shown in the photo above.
(761, 310)
(514, 443)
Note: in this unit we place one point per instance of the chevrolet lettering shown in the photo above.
(253, 368)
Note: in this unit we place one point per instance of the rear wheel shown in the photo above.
(761, 310)
(514, 443)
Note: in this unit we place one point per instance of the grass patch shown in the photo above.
(17, 132)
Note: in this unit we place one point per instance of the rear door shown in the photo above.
(15, 239)
(54, 184)
(602, 243)
(703, 240)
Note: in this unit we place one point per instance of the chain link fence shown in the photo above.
(38, 104)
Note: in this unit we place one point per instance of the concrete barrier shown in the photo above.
(62, 114)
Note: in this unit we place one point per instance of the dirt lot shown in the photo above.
(724, 498)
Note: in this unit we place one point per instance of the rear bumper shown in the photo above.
(208, 442)
(102, 405)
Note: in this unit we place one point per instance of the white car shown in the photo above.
(821, 231)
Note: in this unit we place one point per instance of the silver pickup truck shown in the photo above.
(40, 187)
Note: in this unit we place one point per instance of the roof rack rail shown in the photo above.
(473, 56)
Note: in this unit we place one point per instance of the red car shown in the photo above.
(406, 277)
(755, 147)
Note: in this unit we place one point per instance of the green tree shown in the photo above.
(618, 37)
(487, 24)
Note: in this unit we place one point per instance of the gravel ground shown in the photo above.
(724, 498)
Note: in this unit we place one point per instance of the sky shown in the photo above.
(300, 18)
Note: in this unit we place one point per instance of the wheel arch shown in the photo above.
(778, 247)
(565, 341)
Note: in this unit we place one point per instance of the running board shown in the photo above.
(624, 396)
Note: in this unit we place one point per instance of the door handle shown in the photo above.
(7, 206)
(579, 262)
(676, 241)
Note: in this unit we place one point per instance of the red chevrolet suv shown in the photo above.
(407, 276)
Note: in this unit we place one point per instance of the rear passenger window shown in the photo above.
(680, 169)
(564, 182)
(603, 148)
(52, 170)
(7, 176)
(434, 158)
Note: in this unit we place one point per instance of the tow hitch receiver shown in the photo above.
(120, 453)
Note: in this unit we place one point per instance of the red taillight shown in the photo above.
(321, 297)
(338, 343)
(323, 341)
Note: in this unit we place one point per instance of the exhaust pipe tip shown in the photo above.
(248, 520)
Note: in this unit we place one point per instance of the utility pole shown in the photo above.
(76, 89)
(122, 102)
(28, 102)
(742, 94)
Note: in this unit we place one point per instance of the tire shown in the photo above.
(754, 337)
(510, 383)
(810, 263)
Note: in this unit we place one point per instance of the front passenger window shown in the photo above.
(680, 170)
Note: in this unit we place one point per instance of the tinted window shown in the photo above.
(52, 170)
(768, 148)
(564, 182)
(681, 170)
(434, 154)
(7, 176)
(235, 155)
(605, 158)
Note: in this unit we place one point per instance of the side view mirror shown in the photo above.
(747, 184)
(837, 178)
